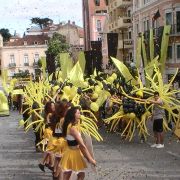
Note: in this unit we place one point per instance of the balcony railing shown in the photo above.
(119, 3)
(26, 64)
(126, 44)
(12, 65)
(175, 31)
(123, 22)
(122, 3)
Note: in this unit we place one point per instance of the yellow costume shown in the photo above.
(72, 159)
(57, 144)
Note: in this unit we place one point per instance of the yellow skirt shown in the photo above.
(73, 160)
(60, 147)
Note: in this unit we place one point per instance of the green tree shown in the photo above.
(56, 45)
(41, 22)
(5, 34)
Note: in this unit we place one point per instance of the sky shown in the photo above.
(15, 15)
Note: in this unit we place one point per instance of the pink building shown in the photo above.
(94, 14)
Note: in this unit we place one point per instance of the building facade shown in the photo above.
(23, 53)
(73, 33)
(120, 21)
(168, 14)
(94, 17)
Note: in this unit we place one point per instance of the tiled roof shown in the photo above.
(30, 40)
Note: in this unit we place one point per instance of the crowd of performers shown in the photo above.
(64, 150)
(66, 113)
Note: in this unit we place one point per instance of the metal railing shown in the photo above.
(11, 65)
(26, 64)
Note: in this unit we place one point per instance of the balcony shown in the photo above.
(12, 65)
(119, 4)
(122, 3)
(128, 44)
(26, 64)
(120, 23)
(124, 22)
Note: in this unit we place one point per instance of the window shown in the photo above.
(97, 2)
(129, 13)
(178, 51)
(98, 25)
(168, 18)
(35, 42)
(137, 29)
(169, 52)
(99, 38)
(12, 73)
(36, 57)
(46, 41)
(144, 25)
(12, 58)
(129, 34)
(147, 25)
(26, 60)
(178, 21)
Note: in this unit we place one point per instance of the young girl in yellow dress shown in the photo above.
(73, 158)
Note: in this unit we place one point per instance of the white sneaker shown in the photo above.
(160, 146)
(154, 145)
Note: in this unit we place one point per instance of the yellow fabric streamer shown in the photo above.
(76, 75)
(164, 46)
(138, 53)
(124, 70)
(82, 60)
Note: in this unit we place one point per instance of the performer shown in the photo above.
(60, 144)
(49, 110)
(73, 160)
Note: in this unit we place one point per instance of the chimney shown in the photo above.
(69, 21)
(73, 23)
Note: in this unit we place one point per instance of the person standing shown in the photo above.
(73, 158)
(157, 115)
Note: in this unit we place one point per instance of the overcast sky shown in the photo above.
(16, 14)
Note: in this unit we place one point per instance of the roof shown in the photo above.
(30, 40)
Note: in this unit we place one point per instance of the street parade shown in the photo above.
(78, 117)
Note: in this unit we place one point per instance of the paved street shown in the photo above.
(116, 159)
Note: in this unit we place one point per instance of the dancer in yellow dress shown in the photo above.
(61, 144)
(73, 158)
